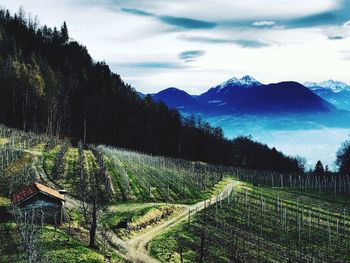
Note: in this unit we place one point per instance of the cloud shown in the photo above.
(264, 23)
(182, 22)
(150, 65)
(187, 22)
(191, 55)
(347, 24)
(245, 43)
(208, 40)
(333, 16)
(251, 43)
(220, 10)
(145, 49)
(345, 54)
(326, 18)
(136, 12)
(336, 37)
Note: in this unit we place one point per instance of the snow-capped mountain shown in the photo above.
(246, 81)
(231, 90)
(247, 96)
(335, 86)
(335, 92)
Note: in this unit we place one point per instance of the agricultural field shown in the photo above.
(21, 162)
(136, 177)
(256, 224)
(146, 191)
(150, 208)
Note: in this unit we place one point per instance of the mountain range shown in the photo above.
(335, 92)
(248, 96)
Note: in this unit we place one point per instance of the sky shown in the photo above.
(196, 44)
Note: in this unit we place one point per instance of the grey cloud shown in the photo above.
(209, 40)
(245, 43)
(136, 12)
(151, 65)
(187, 22)
(251, 43)
(180, 22)
(191, 55)
(336, 37)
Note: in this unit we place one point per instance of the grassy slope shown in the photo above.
(3, 141)
(134, 207)
(134, 182)
(136, 185)
(57, 246)
(140, 217)
(138, 180)
(166, 247)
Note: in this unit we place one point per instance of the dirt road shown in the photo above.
(135, 249)
(137, 246)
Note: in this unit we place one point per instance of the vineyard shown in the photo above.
(254, 224)
(264, 217)
(152, 178)
(21, 163)
(133, 176)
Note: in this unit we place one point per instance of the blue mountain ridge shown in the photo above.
(248, 96)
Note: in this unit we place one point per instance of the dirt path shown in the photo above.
(137, 246)
(135, 249)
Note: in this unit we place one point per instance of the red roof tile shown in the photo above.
(32, 189)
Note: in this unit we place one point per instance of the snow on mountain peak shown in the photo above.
(246, 81)
(335, 86)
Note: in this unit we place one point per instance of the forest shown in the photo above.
(50, 84)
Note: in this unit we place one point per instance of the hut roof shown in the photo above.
(30, 190)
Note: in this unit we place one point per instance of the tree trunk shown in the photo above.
(93, 227)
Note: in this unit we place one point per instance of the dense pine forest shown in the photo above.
(50, 84)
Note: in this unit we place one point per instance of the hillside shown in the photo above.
(155, 195)
(50, 84)
(137, 181)
(92, 171)
(256, 224)
(178, 99)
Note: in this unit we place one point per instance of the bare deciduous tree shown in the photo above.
(94, 196)
(30, 223)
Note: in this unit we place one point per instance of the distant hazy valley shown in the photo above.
(310, 120)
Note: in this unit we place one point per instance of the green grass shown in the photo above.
(124, 211)
(3, 141)
(56, 246)
(145, 185)
(258, 235)
(140, 217)
(165, 247)
(337, 199)
(9, 244)
(135, 182)
(49, 159)
(142, 178)
(59, 247)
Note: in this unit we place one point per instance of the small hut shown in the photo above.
(36, 196)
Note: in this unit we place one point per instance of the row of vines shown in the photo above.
(253, 226)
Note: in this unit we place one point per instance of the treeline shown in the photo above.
(50, 84)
